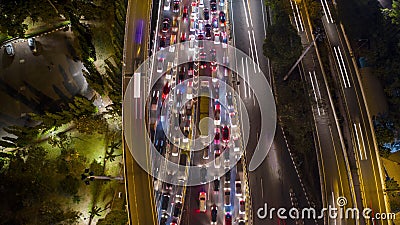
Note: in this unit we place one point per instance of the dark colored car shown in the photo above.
(165, 202)
(228, 176)
(164, 218)
(225, 133)
(214, 213)
(203, 174)
(213, 6)
(176, 6)
(216, 184)
(222, 18)
(208, 31)
(206, 13)
(165, 26)
(177, 209)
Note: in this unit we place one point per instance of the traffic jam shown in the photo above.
(182, 103)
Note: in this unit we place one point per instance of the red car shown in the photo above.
(228, 219)
(183, 36)
(165, 91)
(217, 136)
(225, 133)
(185, 14)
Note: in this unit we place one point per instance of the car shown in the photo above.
(217, 116)
(189, 90)
(242, 206)
(168, 75)
(185, 14)
(175, 8)
(9, 49)
(216, 184)
(167, 4)
(201, 3)
(228, 176)
(213, 7)
(203, 174)
(229, 100)
(190, 68)
(195, 10)
(192, 39)
(163, 42)
(227, 197)
(205, 153)
(200, 39)
(165, 25)
(214, 214)
(225, 134)
(214, 23)
(216, 38)
(164, 218)
(165, 201)
(228, 219)
(175, 24)
(183, 36)
(206, 14)
(174, 151)
(165, 91)
(217, 136)
(221, 3)
(32, 44)
(224, 39)
(217, 160)
(200, 28)
(181, 74)
(174, 221)
(241, 221)
(177, 209)
(238, 188)
(222, 18)
(208, 31)
(202, 201)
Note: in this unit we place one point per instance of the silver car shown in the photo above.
(9, 49)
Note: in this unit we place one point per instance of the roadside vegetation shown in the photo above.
(65, 166)
(283, 47)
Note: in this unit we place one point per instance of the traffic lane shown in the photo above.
(139, 11)
(192, 214)
(271, 183)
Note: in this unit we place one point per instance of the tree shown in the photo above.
(69, 185)
(114, 217)
(394, 12)
(282, 45)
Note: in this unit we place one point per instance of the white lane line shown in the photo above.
(244, 79)
(362, 141)
(344, 67)
(358, 142)
(251, 46)
(316, 82)
(254, 100)
(319, 93)
(248, 78)
(325, 12)
(248, 7)
(245, 13)
(329, 11)
(136, 106)
(340, 67)
(315, 93)
(334, 204)
(255, 50)
(294, 16)
(299, 16)
(263, 11)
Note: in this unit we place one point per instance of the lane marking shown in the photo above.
(358, 142)
(298, 14)
(362, 141)
(248, 78)
(340, 67)
(315, 94)
(244, 78)
(294, 16)
(245, 13)
(255, 49)
(344, 67)
(263, 11)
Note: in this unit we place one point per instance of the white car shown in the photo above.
(192, 40)
(160, 65)
(168, 76)
(242, 206)
(9, 49)
(216, 38)
(167, 4)
(201, 3)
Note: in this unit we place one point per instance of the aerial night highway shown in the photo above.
(199, 112)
